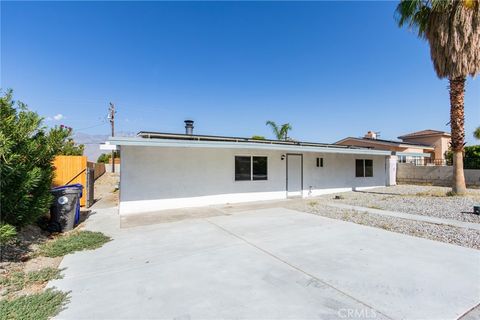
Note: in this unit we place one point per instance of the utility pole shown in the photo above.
(111, 116)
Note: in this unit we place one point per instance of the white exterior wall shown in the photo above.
(338, 173)
(154, 179)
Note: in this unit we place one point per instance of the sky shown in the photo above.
(330, 69)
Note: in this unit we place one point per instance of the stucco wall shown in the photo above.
(162, 178)
(436, 175)
(440, 144)
(338, 173)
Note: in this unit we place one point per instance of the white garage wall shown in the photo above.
(155, 178)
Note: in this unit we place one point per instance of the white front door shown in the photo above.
(294, 175)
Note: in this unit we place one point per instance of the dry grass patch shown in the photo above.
(433, 193)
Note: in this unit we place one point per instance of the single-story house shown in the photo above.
(166, 171)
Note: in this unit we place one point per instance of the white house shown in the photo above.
(165, 171)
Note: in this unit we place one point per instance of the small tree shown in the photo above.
(104, 158)
(27, 150)
(70, 148)
(476, 133)
(255, 137)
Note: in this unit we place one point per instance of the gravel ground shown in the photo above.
(463, 237)
(421, 200)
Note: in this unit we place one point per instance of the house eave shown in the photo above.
(145, 142)
(384, 143)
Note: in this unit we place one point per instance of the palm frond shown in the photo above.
(275, 129)
(452, 29)
(414, 14)
(284, 130)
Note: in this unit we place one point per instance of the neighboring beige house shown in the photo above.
(371, 141)
(440, 140)
(431, 142)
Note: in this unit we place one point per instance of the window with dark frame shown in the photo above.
(319, 162)
(248, 168)
(363, 168)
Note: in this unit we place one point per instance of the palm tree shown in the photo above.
(452, 29)
(476, 133)
(280, 132)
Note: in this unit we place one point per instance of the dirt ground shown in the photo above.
(106, 189)
(20, 256)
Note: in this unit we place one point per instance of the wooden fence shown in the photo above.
(99, 169)
(70, 170)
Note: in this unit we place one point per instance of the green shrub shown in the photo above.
(27, 150)
(105, 157)
(70, 148)
(471, 158)
(7, 233)
(39, 306)
(77, 241)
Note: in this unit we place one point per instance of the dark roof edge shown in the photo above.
(416, 134)
(181, 136)
(387, 141)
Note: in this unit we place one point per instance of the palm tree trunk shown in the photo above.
(457, 119)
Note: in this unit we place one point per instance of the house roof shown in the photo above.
(388, 142)
(159, 139)
(423, 133)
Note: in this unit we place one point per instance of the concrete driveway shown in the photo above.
(271, 263)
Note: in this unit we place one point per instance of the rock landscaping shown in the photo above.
(419, 200)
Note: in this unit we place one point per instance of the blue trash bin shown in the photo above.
(65, 210)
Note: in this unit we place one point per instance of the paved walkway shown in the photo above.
(447, 222)
(270, 263)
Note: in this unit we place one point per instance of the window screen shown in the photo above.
(368, 168)
(243, 168)
(259, 168)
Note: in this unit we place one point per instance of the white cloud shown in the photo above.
(56, 117)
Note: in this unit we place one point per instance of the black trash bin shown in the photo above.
(65, 210)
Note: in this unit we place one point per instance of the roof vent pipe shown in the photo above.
(189, 127)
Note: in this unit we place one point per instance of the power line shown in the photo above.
(94, 126)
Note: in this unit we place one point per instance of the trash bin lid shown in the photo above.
(68, 186)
